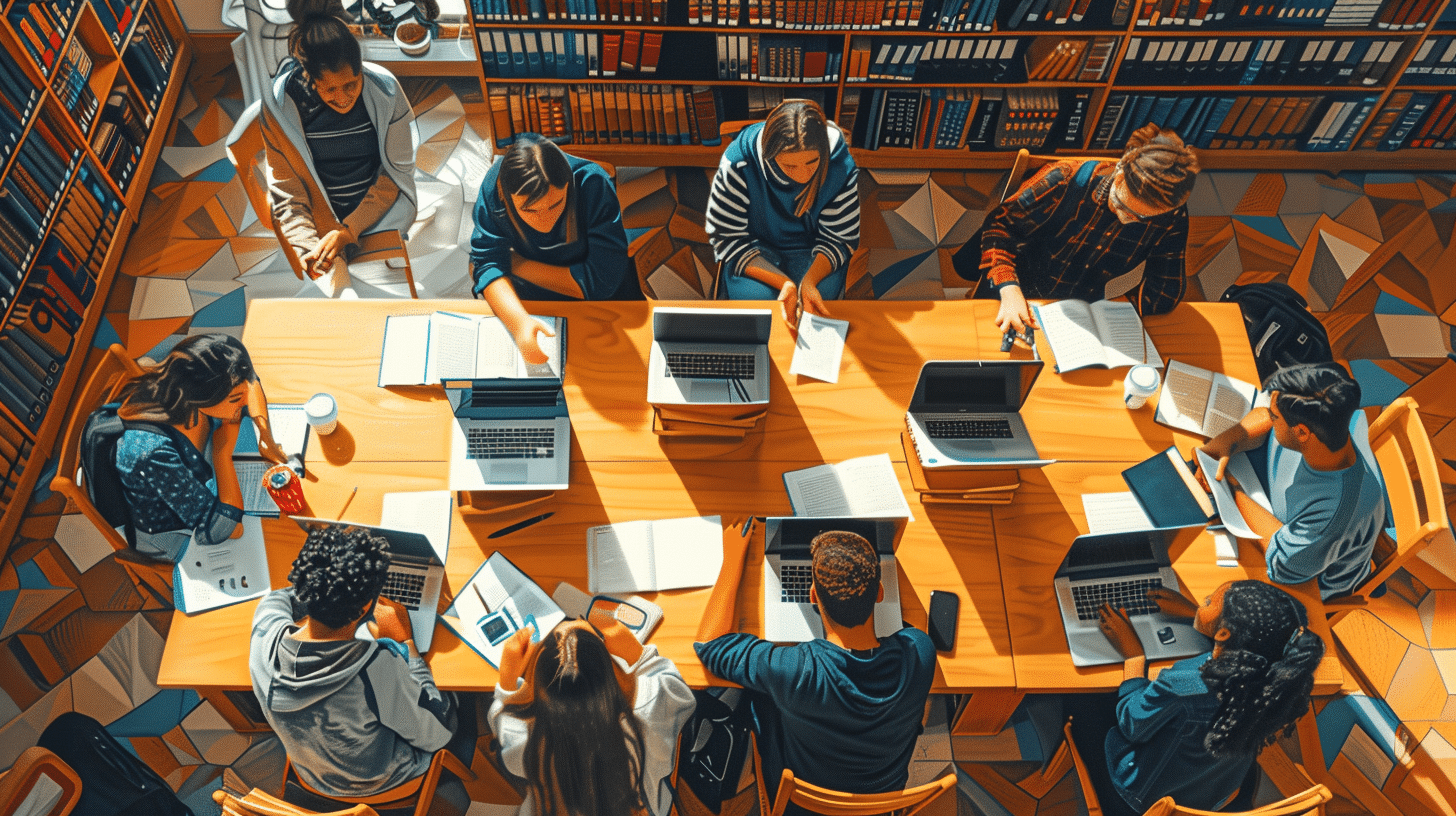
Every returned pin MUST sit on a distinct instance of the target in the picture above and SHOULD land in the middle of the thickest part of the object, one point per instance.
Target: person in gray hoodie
(358, 718)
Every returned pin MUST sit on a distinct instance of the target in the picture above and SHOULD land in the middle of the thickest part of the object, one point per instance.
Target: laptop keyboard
(968, 428)
(1130, 595)
(794, 581)
(714, 366)
(510, 443)
(404, 588)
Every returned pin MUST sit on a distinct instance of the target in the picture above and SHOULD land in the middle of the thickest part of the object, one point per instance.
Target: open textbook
(207, 576)
(1105, 334)
(647, 556)
(866, 486)
(425, 349)
(1223, 494)
(1168, 492)
(1202, 401)
(496, 601)
(290, 430)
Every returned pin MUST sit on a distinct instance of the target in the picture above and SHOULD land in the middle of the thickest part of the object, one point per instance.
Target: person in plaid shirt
(1076, 225)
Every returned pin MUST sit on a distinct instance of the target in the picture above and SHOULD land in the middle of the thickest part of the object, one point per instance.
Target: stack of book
(18, 98)
(29, 192)
(1386, 14)
(951, 486)
(777, 58)
(1057, 12)
(821, 15)
(116, 17)
(1070, 60)
(1414, 119)
(41, 27)
(70, 84)
(1027, 118)
(148, 59)
(119, 139)
(1258, 61)
(607, 114)
(570, 11)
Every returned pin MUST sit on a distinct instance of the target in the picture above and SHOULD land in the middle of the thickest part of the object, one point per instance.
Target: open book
(290, 430)
(866, 486)
(496, 601)
(214, 575)
(425, 349)
(1202, 401)
(647, 556)
(1223, 494)
(1105, 334)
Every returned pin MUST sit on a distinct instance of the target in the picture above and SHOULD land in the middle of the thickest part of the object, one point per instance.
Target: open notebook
(425, 349)
(646, 556)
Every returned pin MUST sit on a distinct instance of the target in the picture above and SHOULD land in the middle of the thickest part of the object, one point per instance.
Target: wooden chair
(414, 797)
(246, 151)
(836, 803)
(24, 779)
(1413, 491)
(258, 803)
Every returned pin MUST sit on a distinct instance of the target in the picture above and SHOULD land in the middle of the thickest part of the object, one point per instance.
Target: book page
(819, 347)
(208, 576)
(1125, 341)
(406, 346)
(452, 348)
(495, 350)
(816, 491)
(1114, 513)
(1223, 494)
(873, 488)
(687, 552)
(256, 498)
(1229, 401)
(1072, 334)
(499, 587)
(427, 512)
(289, 426)
(550, 346)
(619, 558)
(1183, 399)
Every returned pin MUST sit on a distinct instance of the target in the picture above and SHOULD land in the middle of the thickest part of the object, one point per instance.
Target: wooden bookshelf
(103, 98)
(1313, 58)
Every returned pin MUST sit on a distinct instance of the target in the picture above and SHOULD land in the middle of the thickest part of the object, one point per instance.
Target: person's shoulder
(1185, 677)
(381, 76)
(745, 144)
(917, 642)
(587, 171)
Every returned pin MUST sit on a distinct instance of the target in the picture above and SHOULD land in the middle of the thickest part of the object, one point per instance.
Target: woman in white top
(590, 718)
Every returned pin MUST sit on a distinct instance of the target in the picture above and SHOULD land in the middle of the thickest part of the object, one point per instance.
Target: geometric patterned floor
(1372, 253)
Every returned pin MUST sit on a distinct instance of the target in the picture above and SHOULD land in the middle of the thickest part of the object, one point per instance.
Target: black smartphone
(945, 610)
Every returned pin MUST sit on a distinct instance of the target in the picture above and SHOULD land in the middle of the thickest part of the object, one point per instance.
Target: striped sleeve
(839, 223)
(1164, 280)
(727, 218)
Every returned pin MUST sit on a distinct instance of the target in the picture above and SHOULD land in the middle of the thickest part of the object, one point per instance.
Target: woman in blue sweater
(547, 227)
(1195, 732)
(783, 213)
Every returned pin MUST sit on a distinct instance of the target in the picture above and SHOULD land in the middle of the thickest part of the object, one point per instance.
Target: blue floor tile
(229, 310)
(1389, 304)
(1378, 387)
(157, 715)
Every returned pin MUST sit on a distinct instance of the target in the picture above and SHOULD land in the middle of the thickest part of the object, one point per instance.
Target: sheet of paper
(1225, 548)
(1126, 341)
(1223, 495)
(620, 557)
(427, 512)
(210, 576)
(866, 486)
(495, 350)
(1229, 401)
(452, 347)
(819, 348)
(688, 551)
(1114, 513)
(406, 344)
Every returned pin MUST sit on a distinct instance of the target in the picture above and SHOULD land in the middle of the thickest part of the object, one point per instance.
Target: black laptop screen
(1093, 552)
(795, 534)
(977, 388)
(720, 326)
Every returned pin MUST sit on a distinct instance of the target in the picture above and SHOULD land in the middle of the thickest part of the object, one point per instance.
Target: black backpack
(113, 781)
(1280, 326)
(98, 460)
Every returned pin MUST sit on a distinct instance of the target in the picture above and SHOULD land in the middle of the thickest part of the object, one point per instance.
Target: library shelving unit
(87, 91)
(1277, 85)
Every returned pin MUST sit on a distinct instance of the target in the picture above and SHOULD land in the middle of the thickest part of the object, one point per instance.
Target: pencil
(347, 502)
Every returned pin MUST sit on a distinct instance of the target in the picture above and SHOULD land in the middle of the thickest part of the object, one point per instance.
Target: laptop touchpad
(508, 472)
(708, 391)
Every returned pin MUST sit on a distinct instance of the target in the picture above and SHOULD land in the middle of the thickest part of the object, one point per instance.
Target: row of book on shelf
(805, 15)
(1395, 15)
(1413, 119)
(28, 194)
(568, 11)
(1258, 61)
(778, 58)
(518, 54)
(607, 114)
(965, 118)
(18, 98)
(148, 59)
(989, 59)
(1434, 62)
(1304, 122)
(41, 25)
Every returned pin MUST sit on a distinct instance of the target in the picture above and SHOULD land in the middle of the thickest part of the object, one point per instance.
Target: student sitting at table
(177, 476)
(590, 718)
(340, 138)
(357, 718)
(1195, 732)
(783, 211)
(844, 711)
(1323, 482)
(547, 227)
(1075, 225)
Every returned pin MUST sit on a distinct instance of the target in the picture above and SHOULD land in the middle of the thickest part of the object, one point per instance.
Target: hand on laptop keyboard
(391, 620)
(1118, 629)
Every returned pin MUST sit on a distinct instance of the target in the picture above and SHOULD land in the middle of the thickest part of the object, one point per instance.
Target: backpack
(99, 436)
(113, 781)
(1281, 329)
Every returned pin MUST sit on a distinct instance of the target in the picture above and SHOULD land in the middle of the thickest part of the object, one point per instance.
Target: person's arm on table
(289, 195)
(258, 411)
(1264, 523)
(721, 615)
(1116, 626)
(1008, 228)
(490, 260)
(1250, 433)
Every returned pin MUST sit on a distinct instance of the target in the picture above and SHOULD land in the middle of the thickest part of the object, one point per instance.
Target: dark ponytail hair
(793, 126)
(1264, 673)
(320, 39)
(199, 373)
(533, 166)
(585, 752)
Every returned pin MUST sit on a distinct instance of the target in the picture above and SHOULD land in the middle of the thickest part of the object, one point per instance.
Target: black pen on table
(520, 525)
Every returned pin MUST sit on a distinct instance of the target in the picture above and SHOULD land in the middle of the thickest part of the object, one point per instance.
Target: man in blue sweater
(842, 712)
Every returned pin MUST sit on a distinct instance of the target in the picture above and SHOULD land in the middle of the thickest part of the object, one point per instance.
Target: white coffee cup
(1141, 382)
(322, 413)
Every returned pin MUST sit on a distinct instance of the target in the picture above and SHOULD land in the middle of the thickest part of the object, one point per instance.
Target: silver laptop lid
(492, 398)
(411, 546)
(1111, 554)
(733, 326)
(974, 386)
(790, 536)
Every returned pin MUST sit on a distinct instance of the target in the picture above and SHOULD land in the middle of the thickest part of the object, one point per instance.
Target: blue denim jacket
(1156, 750)
(172, 490)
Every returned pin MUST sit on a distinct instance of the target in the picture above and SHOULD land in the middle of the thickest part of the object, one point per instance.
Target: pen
(1008, 339)
(520, 525)
(347, 502)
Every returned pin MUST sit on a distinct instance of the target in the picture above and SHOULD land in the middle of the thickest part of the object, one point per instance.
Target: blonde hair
(1158, 167)
(797, 125)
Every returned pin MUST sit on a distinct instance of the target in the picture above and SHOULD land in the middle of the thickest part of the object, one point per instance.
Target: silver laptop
(964, 414)
(709, 356)
(788, 617)
(1120, 568)
(416, 573)
(509, 434)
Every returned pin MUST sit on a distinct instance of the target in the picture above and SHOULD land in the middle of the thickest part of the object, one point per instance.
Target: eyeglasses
(1121, 203)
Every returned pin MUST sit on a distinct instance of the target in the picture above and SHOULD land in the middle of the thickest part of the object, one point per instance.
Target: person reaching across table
(547, 227)
(1075, 225)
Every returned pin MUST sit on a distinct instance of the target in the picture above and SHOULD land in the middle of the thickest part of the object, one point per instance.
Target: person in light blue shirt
(1324, 485)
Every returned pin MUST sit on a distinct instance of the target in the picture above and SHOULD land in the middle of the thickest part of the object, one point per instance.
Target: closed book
(631, 50)
(651, 51)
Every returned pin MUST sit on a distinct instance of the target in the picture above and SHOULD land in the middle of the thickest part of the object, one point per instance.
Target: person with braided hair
(1075, 225)
(358, 718)
(1195, 732)
(842, 711)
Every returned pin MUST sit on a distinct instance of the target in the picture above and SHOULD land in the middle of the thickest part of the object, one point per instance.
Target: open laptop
(1120, 568)
(709, 356)
(964, 414)
(509, 434)
(788, 617)
(416, 573)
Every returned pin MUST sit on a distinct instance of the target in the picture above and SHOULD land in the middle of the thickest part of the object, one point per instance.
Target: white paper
(1114, 513)
(1225, 548)
(499, 585)
(427, 512)
(819, 348)
(866, 486)
(452, 348)
(1125, 340)
(215, 575)
(424, 349)
(406, 343)
(1223, 494)
(42, 797)
(647, 556)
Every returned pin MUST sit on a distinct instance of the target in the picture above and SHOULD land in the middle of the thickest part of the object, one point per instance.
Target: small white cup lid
(320, 405)
(1144, 375)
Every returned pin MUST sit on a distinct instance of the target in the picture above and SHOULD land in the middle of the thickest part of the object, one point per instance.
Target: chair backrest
(415, 796)
(113, 371)
(258, 803)
(1307, 802)
(24, 779)
(837, 803)
(249, 158)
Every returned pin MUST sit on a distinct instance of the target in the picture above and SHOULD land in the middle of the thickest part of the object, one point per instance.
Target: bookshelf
(87, 91)
(1280, 85)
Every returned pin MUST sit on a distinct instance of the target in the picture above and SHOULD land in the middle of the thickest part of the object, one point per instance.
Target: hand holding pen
(1010, 337)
